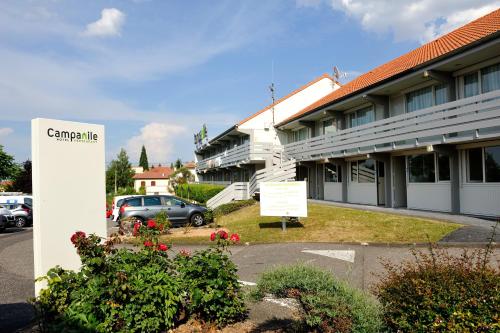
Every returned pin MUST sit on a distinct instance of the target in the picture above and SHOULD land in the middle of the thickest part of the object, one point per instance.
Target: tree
(122, 170)
(171, 165)
(22, 180)
(8, 168)
(178, 163)
(143, 160)
(182, 176)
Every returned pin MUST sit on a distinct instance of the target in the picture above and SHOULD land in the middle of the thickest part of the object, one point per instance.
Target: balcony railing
(458, 121)
(238, 155)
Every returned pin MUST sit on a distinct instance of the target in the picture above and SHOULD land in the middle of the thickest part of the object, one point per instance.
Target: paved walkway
(461, 219)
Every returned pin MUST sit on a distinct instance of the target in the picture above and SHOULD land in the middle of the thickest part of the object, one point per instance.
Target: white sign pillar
(69, 191)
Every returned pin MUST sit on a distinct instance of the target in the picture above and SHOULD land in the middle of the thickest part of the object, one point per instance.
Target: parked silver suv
(146, 207)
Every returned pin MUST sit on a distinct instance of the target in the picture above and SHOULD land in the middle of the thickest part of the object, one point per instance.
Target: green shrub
(198, 192)
(329, 305)
(140, 291)
(440, 292)
(228, 208)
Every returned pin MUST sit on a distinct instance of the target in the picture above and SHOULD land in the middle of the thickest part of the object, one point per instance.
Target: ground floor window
(333, 173)
(483, 165)
(363, 171)
(424, 168)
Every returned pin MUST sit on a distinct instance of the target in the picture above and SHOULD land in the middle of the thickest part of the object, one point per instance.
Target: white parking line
(246, 283)
(345, 255)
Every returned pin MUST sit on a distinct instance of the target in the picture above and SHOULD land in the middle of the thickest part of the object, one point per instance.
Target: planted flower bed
(149, 290)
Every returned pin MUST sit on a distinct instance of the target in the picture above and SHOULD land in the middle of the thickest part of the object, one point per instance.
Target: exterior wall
(333, 191)
(429, 196)
(362, 193)
(480, 199)
(161, 186)
(261, 126)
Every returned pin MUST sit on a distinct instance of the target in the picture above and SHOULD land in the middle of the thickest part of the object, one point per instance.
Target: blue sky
(153, 71)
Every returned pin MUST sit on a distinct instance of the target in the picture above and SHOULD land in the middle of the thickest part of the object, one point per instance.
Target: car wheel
(197, 220)
(21, 222)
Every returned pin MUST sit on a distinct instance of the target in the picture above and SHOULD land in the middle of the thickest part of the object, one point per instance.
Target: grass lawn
(330, 224)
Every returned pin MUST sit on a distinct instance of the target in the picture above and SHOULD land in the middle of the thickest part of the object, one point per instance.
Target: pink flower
(222, 234)
(148, 243)
(77, 236)
(235, 238)
(151, 224)
(162, 247)
(212, 236)
(185, 253)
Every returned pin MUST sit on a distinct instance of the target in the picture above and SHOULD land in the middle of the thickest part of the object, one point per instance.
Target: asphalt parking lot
(359, 265)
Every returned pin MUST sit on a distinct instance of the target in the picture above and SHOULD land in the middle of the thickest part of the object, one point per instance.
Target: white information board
(69, 191)
(283, 199)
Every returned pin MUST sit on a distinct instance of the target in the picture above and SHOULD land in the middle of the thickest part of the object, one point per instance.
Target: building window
(484, 165)
(354, 171)
(492, 164)
(298, 135)
(362, 116)
(333, 173)
(443, 167)
(475, 165)
(441, 94)
(366, 171)
(329, 126)
(363, 171)
(153, 183)
(143, 184)
(471, 84)
(490, 78)
(419, 99)
(421, 168)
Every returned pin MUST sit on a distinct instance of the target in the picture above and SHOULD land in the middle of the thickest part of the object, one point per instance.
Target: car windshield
(119, 203)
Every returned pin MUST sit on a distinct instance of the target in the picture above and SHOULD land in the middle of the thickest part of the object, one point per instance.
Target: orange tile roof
(155, 173)
(296, 91)
(458, 38)
(190, 165)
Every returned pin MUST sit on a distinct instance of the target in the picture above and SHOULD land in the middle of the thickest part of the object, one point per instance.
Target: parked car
(23, 214)
(178, 211)
(6, 218)
(117, 202)
(19, 199)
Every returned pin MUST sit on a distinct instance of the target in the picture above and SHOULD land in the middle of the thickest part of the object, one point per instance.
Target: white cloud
(159, 140)
(421, 20)
(110, 24)
(5, 131)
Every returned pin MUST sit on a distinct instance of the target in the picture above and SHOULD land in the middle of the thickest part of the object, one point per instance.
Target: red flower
(77, 236)
(222, 234)
(235, 238)
(151, 224)
(162, 247)
(148, 243)
(212, 236)
(137, 226)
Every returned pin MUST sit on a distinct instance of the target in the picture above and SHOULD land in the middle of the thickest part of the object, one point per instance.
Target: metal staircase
(283, 169)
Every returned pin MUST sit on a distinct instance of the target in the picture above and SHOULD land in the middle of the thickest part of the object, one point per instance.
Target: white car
(16, 199)
(117, 203)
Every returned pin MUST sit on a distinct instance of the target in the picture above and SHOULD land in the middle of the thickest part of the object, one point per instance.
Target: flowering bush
(140, 291)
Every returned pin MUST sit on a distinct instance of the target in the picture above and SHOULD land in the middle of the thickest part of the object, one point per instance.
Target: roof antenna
(338, 75)
(271, 88)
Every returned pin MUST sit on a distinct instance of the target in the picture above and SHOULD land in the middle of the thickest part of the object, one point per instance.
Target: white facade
(153, 186)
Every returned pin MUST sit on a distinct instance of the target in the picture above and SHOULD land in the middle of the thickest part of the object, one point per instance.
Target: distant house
(156, 180)
(4, 184)
(191, 166)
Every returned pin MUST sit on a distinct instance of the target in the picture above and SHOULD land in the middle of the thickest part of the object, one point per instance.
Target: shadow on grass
(277, 225)
(280, 325)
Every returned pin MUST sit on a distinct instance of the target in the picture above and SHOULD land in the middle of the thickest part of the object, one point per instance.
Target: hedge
(198, 192)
